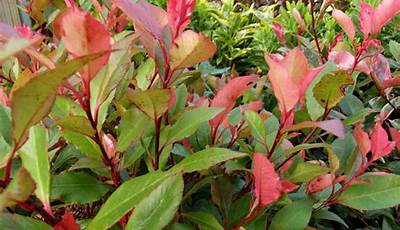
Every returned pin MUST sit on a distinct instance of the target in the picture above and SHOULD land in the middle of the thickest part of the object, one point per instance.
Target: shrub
(106, 127)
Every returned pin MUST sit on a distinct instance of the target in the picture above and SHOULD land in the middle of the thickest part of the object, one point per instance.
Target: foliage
(115, 119)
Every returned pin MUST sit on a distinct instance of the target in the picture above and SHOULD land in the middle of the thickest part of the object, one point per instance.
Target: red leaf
(345, 22)
(345, 61)
(290, 78)
(319, 183)
(395, 134)
(179, 12)
(67, 223)
(82, 34)
(109, 144)
(4, 100)
(362, 140)
(268, 187)
(226, 97)
(380, 144)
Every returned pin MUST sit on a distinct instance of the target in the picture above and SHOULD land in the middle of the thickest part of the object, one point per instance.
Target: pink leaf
(345, 61)
(381, 68)
(279, 31)
(67, 222)
(333, 126)
(109, 144)
(150, 22)
(82, 34)
(380, 144)
(268, 187)
(372, 20)
(4, 100)
(395, 134)
(179, 12)
(299, 19)
(384, 13)
(362, 140)
(366, 18)
(345, 22)
(227, 96)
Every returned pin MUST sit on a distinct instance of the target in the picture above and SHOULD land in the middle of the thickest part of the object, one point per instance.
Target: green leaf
(133, 123)
(205, 159)
(145, 73)
(204, 219)
(126, 198)
(329, 91)
(256, 124)
(77, 124)
(65, 106)
(191, 48)
(84, 144)
(32, 99)
(294, 216)
(156, 211)
(153, 102)
(12, 47)
(19, 189)
(315, 110)
(304, 172)
(17, 222)
(189, 122)
(36, 161)
(394, 48)
(77, 187)
(327, 215)
(375, 191)
(5, 134)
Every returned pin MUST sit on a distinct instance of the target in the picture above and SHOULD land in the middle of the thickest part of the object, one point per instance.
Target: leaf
(84, 144)
(152, 102)
(32, 99)
(150, 22)
(385, 11)
(256, 124)
(305, 172)
(268, 187)
(159, 207)
(227, 96)
(82, 35)
(67, 222)
(19, 189)
(77, 124)
(133, 123)
(189, 122)
(189, 49)
(10, 221)
(12, 47)
(179, 12)
(345, 22)
(145, 73)
(294, 216)
(380, 144)
(35, 159)
(374, 191)
(204, 159)
(329, 91)
(204, 219)
(333, 126)
(362, 140)
(73, 187)
(327, 215)
(126, 198)
(290, 78)
(394, 48)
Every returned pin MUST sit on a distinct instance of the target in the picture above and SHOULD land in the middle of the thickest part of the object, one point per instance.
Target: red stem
(315, 31)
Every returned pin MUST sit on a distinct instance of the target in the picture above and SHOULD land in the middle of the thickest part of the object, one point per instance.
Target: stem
(314, 31)
(248, 218)
(32, 207)
(157, 124)
(7, 174)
